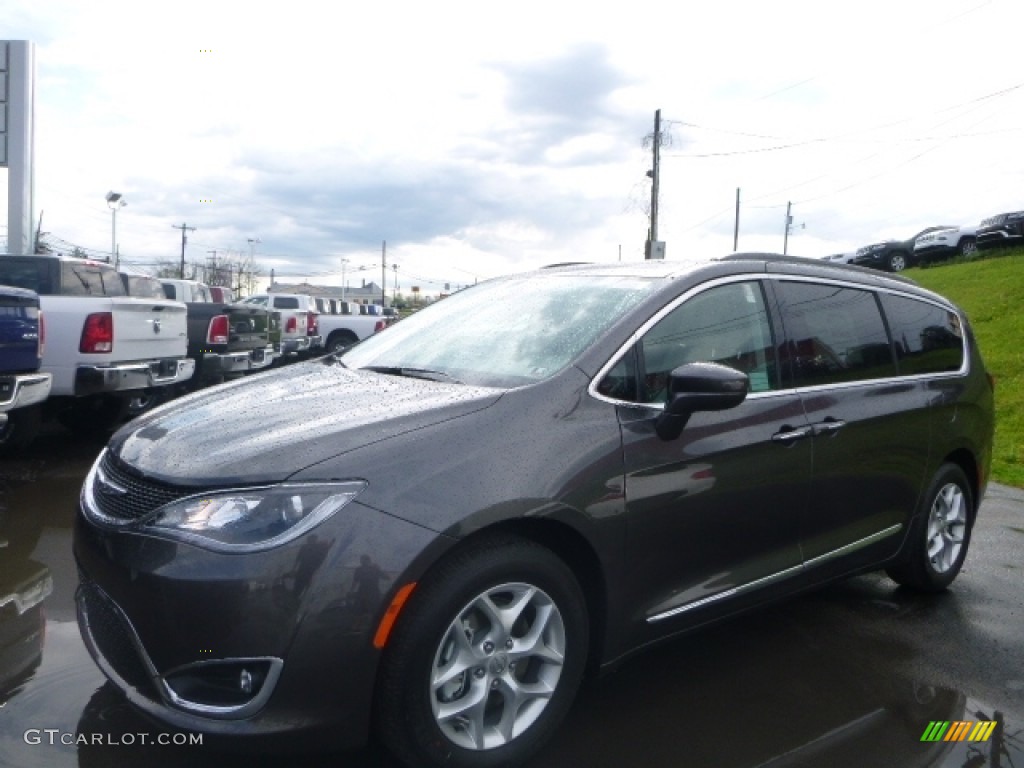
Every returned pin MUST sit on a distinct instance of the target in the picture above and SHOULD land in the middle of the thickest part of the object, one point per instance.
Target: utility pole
(736, 226)
(383, 273)
(394, 294)
(789, 222)
(184, 228)
(654, 173)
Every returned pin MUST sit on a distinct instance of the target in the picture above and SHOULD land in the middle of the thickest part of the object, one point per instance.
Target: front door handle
(829, 426)
(788, 434)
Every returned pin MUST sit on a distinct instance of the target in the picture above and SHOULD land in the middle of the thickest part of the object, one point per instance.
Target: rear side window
(286, 302)
(833, 334)
(927, 338)
(33, 274)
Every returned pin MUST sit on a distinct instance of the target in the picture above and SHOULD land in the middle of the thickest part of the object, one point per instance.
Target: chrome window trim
(747, 277)
(779, 575)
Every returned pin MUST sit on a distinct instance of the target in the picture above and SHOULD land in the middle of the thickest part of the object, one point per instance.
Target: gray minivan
(603, 457)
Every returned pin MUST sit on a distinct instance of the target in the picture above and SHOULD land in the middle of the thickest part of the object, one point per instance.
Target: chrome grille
(126, 496)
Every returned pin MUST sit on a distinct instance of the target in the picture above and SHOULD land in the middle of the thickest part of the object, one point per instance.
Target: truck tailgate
(249, 327)
(19, 330)
(146, 329)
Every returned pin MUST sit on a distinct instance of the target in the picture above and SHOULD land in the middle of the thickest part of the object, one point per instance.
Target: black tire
(443, 624)
(338, 342)
(940, 534)
(898, 261)
(145, 400)
(968, 247)
(20, 429)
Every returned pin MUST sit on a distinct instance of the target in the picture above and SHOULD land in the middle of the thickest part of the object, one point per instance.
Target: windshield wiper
(412, 373)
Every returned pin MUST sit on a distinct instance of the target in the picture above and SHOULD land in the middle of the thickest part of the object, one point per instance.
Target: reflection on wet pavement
(850, 676)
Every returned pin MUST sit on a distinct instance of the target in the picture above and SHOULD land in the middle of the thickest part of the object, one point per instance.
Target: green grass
(991, 291)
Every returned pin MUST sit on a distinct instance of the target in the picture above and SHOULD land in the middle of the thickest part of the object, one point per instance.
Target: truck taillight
(98, 333)
(291, 326)
(42, 335)
(217, 333)
(311, 324)
(379, 326)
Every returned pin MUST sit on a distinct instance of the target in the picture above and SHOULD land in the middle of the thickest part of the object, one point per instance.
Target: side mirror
(699, 387)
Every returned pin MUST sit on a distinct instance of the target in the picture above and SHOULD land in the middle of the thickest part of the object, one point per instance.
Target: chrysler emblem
(107, 487)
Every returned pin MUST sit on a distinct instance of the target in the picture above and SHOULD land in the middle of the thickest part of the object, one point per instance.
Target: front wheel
(937, 543)
(485, 659)
(897, 262)
(968, 247)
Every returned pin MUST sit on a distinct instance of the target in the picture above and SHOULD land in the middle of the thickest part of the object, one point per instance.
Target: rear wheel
(968, 246)
(338, 342)
(937, 543)
(485, 659)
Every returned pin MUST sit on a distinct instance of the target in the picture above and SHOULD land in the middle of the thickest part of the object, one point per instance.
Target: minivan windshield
(504, 333)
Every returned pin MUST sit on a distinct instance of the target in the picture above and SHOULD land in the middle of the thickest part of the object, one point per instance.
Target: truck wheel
(897, 262)
(339, 342)
(968, 247)
(20, 429)
(145, 400)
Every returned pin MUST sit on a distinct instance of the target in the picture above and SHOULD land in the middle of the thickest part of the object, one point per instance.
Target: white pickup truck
(343, 323)
(300, 333)
(104, 349)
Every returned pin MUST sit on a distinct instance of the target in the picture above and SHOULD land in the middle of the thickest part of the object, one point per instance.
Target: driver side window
(727, 324)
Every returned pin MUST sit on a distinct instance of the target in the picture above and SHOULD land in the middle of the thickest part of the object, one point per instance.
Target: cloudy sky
(480, 138)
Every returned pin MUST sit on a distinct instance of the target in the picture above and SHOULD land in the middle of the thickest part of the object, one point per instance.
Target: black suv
(1002, 230)
(432, 535)
(892, 255)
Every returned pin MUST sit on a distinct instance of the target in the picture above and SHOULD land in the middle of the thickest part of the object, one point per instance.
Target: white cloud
(477, 138)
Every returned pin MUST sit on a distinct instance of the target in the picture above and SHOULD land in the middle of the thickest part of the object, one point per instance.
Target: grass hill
(991, 291)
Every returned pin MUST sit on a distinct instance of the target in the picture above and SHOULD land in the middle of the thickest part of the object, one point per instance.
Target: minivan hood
(265, 428)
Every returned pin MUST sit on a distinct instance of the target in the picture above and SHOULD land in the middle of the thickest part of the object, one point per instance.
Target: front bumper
(120, 377)
(998, 238)
(152, 610)
(24, 389)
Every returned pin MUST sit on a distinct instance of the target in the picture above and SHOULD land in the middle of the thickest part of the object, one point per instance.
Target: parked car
(23, 388)
(104, 349)
(300, 334)
(435, 533)
(945, 243)
(840, 258)
(1001, 230)
(892, 255)
(226, 340)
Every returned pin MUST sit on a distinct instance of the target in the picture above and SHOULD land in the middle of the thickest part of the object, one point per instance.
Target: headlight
(250, 519)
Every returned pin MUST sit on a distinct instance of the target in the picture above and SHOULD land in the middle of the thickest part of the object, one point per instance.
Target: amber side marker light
(391, 615)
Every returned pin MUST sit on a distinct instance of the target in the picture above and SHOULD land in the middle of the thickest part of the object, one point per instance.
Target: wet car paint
(862, 663)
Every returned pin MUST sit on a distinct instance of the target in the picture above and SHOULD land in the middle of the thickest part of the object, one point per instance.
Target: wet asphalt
(850, 675)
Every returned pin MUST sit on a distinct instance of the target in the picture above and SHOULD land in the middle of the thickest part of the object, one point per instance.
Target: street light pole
(115, 201)
(344, 261)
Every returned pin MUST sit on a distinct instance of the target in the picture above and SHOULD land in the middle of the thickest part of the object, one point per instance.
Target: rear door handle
(829, 426)
(789, 434)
